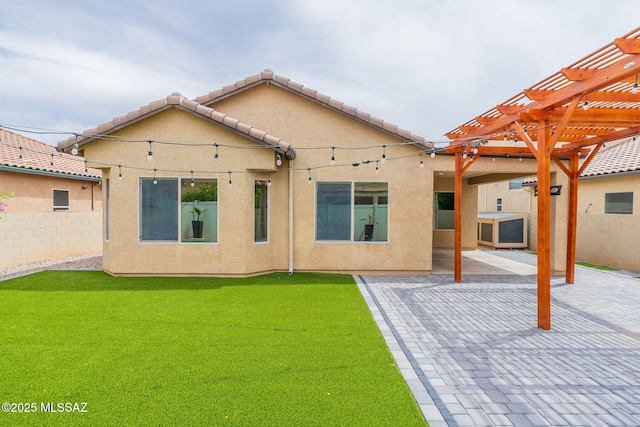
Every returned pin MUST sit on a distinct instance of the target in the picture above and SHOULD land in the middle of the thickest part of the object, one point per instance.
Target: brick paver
(472, 354)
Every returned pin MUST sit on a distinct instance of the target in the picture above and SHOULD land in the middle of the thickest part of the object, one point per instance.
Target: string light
(155, 180)
(585, 106)
(269, 179)
(230, 183)
(193, 183)
(433, 153)
(384, 153)
(309, 180)
(51, 159)
(333, 156)
(217, 154)
(74, 150)
(421, 162)
(493, 159)
(20, 156)
(377, 168)
(120, 172)
(634, 89)
(278, 159)
(464, 153)
(150, 154)
(86, 169)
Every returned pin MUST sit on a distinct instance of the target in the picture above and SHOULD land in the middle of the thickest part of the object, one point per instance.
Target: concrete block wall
(608, 239)
(41, 236)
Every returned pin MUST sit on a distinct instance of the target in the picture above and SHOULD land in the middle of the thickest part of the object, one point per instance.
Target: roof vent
(177, 94)
(268, 70)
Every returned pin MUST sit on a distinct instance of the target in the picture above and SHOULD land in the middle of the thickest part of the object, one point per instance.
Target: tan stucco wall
(608, 239)
(32, 237)
(302, 123)
(512, 200)
(34, 193)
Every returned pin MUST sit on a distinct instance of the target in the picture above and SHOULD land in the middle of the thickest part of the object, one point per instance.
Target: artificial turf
(273, 350)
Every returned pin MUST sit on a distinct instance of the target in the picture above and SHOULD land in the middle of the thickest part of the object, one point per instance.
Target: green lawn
(274, 350)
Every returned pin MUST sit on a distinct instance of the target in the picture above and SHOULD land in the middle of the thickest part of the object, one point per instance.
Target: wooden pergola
(566, 116)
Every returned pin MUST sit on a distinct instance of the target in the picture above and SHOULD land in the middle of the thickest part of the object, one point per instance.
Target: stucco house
(268, 175)
(608, 228)
(56, 210)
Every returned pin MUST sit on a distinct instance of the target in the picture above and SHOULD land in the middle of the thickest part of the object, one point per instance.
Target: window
(499, 204)
(261, 211)
(193, 219)
(516, 184)
(444, 211)
(352, 211)
(618, 203)
(158, 209)
(198, 210)
(60, 200)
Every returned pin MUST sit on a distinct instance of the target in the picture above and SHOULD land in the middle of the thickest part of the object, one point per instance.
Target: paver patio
(473, 355)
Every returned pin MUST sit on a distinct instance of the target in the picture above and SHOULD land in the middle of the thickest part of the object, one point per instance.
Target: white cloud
(425, 65)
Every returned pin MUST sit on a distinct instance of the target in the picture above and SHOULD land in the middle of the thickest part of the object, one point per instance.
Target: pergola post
(544, 227)
(574, 174)
(457, 219)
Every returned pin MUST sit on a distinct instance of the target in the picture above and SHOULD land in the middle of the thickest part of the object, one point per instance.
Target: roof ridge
(176, 99)
(269, 76)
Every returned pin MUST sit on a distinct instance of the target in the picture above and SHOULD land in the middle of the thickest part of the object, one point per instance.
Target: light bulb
(634, 89)
(193, 184)
(421, 162)
(433, 154)
(585, 106)
(150, 156)
(74, 150)
(278, 160)
(333, 160)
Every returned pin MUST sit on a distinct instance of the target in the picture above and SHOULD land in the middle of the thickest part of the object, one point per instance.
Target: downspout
(290, 216)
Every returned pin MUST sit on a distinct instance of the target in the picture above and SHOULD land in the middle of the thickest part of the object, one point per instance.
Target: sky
(424, 65)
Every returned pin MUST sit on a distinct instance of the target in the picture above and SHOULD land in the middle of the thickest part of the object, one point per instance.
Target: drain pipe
(290, 216)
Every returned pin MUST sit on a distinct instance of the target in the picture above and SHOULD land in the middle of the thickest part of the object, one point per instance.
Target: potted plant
(368, 227)
(196, 224)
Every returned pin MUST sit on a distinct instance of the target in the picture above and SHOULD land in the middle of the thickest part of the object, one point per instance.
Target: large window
(261, 211)
(158, 209)
(178, 210)
(199, 210)
(352, 211)
(444, 211)
(618, 203)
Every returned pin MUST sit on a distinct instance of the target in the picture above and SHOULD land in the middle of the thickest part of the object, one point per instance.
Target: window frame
(178, 181)
(266, 185)
(352, 205)
(436, 210)
(55, 207)
(608, 209)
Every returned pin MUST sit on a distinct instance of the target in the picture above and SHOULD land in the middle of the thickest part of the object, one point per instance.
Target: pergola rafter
(568, 115)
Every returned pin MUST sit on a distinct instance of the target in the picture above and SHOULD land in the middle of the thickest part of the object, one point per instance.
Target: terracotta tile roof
(270, 77)
(176, 100)
(18, 151)
(619, 158)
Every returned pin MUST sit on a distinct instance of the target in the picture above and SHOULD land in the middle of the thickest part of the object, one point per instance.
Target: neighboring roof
(176, 100)
(269, 77)
(22, 154)
(619, 158)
